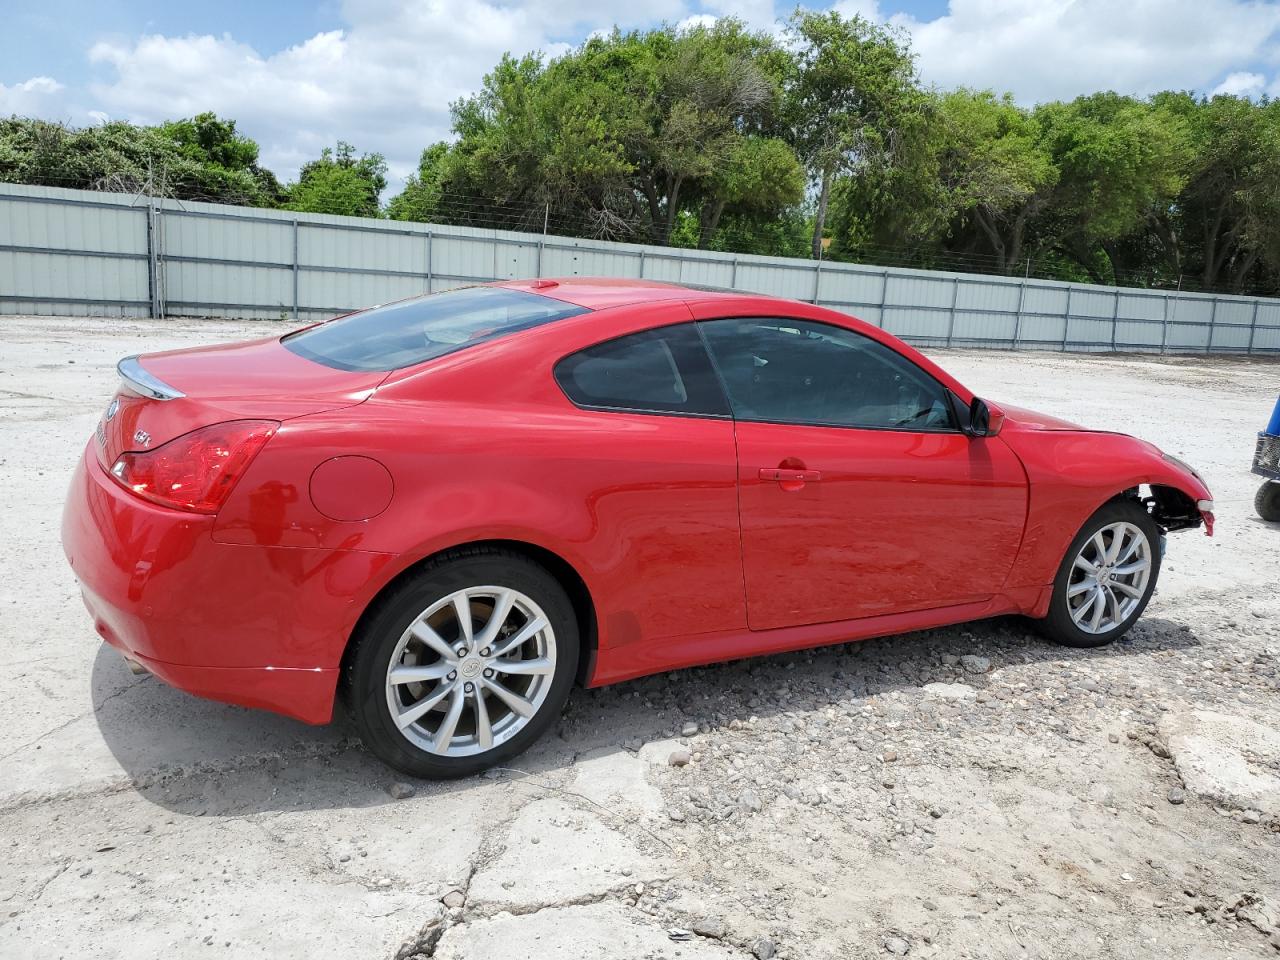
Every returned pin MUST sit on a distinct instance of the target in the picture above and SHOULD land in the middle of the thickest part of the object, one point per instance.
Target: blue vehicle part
(1273, 428)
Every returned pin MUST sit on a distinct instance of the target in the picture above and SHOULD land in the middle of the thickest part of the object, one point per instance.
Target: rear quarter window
(665, 370)
(413, 331)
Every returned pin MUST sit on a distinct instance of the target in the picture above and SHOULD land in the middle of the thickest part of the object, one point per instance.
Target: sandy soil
(967, 792)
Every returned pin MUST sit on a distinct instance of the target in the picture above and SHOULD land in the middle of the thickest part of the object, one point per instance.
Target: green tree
(212, 146)
(1225, 224)
(1118, 160)
(621, 136)
(198, 159)
(423, 193)
(757, 179)
(340, 183)
(996, 171)
(853, 99)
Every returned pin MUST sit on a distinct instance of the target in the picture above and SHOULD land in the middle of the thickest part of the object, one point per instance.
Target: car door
(858, 493)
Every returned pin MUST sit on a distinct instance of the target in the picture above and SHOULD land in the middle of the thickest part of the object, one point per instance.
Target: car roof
(598, 293)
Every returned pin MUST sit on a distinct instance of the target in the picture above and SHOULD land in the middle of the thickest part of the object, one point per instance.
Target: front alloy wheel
(1106, 578)
(463, 665)
(1109, 577)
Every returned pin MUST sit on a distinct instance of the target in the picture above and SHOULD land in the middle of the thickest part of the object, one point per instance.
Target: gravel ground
(965, 792)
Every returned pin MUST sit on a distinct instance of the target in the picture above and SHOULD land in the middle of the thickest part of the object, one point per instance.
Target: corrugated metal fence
(83, 253)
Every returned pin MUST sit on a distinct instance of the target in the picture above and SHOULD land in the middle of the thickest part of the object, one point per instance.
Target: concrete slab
(1228, 760)
(616, 780)
(601, 931)
(557, 854)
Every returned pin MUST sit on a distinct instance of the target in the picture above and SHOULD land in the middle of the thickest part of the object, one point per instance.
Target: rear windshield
(403, 334)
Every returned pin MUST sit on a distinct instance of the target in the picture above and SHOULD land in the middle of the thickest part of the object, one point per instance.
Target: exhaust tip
(136, 668)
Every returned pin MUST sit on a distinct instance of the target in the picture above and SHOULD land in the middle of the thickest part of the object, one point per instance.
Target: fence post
(1017, 317)
(430, 235)
(951, 318)
(642, 263)
(1066, 321)
(817, 279)
(151, 260)
(733, 276)
(1253, 327)
(295, 268)
(1115, 320)
(1166, 320)
(884, 295)
(155, 242)
(1213, 318)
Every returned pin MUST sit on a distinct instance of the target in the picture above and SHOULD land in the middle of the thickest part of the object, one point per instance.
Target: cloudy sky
(381, 73)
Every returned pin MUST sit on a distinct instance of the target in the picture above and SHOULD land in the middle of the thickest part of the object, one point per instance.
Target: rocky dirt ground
(962, 793)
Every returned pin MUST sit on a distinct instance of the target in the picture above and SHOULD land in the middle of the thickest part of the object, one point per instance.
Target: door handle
(784, 475)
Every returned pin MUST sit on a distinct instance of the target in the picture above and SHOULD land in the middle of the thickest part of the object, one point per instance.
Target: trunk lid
(204, 385)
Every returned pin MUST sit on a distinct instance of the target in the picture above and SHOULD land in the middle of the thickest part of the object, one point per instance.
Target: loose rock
(711, 927)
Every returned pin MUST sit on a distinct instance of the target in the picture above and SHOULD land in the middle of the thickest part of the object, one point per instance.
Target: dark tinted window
(402, 334)
(658, 371)
(799, 371)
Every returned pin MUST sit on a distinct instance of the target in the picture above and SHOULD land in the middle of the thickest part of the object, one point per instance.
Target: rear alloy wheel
(1106, 578)
(464, 666)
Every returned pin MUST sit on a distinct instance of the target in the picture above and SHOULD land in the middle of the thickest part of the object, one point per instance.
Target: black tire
(1267, 501)
(1057, 625)
(377, 638)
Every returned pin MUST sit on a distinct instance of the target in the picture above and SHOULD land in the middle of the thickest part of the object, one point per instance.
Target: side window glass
(665, 370)
(800, 371)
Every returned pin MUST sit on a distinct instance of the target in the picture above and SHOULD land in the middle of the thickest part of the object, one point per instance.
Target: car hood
(1025, 419)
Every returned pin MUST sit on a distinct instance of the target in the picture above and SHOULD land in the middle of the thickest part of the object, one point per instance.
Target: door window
(665, 370)
(781, 370)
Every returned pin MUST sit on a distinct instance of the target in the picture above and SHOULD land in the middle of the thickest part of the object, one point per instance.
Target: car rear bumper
(254, 625)
(304, 694)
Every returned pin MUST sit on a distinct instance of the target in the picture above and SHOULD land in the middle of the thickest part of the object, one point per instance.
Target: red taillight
(196, 471)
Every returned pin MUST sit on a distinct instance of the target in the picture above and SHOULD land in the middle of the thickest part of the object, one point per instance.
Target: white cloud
(1242, 84)
(697, 20)
(867, 9)
(757, 14)
(39, 96)
(384, 83)
(1051, 49)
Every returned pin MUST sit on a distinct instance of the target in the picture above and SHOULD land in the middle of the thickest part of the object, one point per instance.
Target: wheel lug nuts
(453, 674)
(488, 673)
(485, 652)
(461, 651)
(470, 687)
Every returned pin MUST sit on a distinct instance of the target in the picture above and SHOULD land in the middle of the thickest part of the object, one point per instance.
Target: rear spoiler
(145, 384)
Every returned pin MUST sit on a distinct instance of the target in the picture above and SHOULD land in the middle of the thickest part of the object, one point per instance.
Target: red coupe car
(450, 509)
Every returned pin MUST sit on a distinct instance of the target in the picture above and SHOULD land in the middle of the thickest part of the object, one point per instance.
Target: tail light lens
(196, 471)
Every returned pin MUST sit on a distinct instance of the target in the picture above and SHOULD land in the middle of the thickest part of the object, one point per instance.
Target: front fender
(1073, 473)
